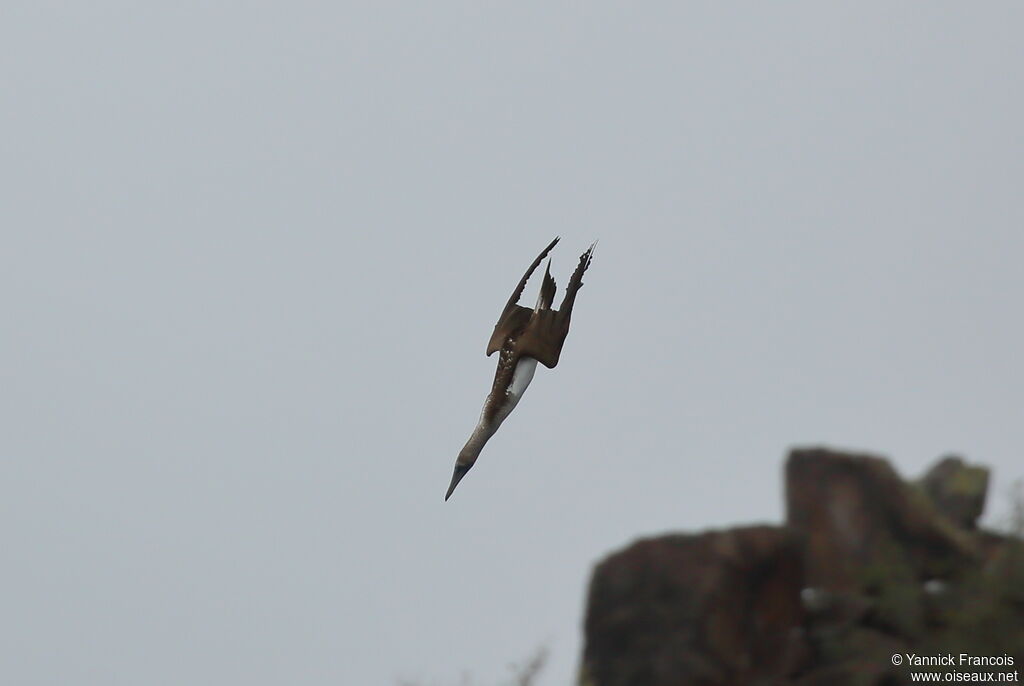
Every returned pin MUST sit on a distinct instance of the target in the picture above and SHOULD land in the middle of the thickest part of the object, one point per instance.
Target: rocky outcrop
(856, 515)
(711, 608)
(957, 489)
(865, 566)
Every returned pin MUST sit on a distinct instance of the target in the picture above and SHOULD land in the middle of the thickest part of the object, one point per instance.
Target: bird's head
(460, 471)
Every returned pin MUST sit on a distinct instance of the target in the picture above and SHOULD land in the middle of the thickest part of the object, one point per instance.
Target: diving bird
(523, 337)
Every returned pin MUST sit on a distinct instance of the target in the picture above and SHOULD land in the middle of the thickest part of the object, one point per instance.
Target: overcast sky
(252, 255)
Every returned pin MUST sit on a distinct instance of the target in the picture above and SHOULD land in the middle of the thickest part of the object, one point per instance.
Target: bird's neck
(477, 440)
(508, 389)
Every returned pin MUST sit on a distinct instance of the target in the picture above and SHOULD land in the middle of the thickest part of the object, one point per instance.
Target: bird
(522, 338)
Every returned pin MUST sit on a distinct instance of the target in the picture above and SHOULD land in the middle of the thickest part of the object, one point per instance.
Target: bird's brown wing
(546, 329)
(543, 337)
(575, 282)
(514, 317)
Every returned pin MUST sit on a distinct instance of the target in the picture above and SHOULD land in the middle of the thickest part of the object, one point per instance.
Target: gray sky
(252, 255)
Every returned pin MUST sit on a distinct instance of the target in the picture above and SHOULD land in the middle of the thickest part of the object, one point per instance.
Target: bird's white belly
(522, 376)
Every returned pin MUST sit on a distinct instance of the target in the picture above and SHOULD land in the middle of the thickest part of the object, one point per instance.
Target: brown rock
(714, 608)
(862, 525)
(867, 566)
(957, 489)
(855, 673)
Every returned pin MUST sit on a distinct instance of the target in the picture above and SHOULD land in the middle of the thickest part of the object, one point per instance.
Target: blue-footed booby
(524, 337)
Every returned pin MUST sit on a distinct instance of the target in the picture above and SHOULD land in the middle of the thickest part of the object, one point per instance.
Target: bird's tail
(547, 291)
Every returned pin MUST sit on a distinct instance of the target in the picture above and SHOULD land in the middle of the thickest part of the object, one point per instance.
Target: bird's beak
(460, 471)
